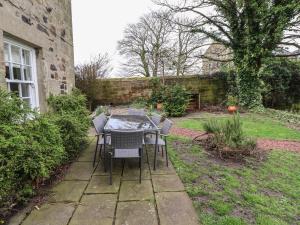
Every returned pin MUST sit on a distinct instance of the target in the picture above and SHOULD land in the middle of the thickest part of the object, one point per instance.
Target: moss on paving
(262, 193)
(254, 125)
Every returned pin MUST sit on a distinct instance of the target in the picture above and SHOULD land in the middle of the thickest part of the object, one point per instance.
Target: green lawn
(254, 126)
(263, 193)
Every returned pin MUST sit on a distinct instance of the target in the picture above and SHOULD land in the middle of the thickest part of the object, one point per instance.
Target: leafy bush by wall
(175, 100)
(32, 146)
(69, 113)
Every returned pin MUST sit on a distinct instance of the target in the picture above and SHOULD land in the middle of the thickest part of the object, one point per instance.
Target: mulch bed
(264, 144)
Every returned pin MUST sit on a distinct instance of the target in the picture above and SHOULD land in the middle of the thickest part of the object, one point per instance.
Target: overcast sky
(99, 24)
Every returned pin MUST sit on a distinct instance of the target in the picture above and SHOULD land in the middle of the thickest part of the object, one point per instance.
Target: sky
(99, 24)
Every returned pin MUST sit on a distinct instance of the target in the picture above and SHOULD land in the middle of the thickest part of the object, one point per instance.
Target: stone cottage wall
(212, 90)
(45, 25)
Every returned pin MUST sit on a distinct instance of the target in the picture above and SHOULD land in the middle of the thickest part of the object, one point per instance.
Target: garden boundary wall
(117, 91)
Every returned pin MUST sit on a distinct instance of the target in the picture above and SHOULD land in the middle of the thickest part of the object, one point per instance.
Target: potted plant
(232, 104)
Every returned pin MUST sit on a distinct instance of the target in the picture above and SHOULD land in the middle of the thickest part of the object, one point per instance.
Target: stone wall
(212, 90)
(45, 25)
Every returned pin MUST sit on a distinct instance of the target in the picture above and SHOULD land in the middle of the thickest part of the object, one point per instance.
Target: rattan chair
(136, 112)
(156, 118)
(126, 144)
(99, 123)
(162, 139)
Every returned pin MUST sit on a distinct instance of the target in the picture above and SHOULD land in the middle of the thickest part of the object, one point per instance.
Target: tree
(252, 29)
(186, 49)
(145, 42)
(87, 74)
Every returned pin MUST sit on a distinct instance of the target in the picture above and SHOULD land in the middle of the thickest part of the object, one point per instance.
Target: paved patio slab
(100, 185)
(95, 210)
(132, 172)
(68, 191)
(50, 214)
(136, 213)
(117, 169)
(175, 208)
(80, 171)
(162, 183)
(133, 190)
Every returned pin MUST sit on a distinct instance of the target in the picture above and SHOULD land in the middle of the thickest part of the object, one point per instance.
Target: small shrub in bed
(228, 138)
(69, 113)
(176, 100)
(30, 149)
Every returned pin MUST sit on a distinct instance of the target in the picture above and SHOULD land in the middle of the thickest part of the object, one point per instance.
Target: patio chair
(136, 112)
(156, 118)
(126, 144)
(99, 123)
(162, 139)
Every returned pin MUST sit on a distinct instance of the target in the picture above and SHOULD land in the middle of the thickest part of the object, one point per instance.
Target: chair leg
(95, 155)
(166, 149)
(100, 151)
(141, 159)
(110, 172)
(162, 151)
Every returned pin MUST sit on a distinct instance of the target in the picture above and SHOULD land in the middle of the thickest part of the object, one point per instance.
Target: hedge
(33, 145)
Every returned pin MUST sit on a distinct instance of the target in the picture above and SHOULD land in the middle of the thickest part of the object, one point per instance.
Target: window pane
(15, 53)
(14, 87)
(7, 72)
(25, 90)
(17, 72)
(26, 57)
(27, 73)
(6, 52)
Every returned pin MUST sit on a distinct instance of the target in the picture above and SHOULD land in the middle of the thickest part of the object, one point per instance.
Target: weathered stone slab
(95, 210)
(100, 185)
(50, 214)
(117, 168)
(175, 208)
(162, 183)
(87, 156)
(132, 171)
(80, 171)
(136, 213)
(161, 168)
(133, 190)
(68, 191)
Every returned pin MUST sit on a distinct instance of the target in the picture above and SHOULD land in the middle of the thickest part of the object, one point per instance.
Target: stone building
(215, 51)
(36, 49)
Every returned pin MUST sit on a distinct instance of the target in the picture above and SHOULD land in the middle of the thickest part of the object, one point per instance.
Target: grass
(262, 193)
(254, 125)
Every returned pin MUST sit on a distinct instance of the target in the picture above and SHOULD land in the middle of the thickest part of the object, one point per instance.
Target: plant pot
(232, 109)
(159, 106)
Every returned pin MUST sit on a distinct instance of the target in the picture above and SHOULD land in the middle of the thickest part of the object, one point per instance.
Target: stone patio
(84, 197)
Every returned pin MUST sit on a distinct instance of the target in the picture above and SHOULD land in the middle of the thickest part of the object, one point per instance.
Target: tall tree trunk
(249, 84)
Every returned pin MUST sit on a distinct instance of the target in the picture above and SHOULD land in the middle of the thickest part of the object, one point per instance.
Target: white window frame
(34, 97)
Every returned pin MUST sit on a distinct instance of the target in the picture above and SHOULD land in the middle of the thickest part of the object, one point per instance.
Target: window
(20, 71)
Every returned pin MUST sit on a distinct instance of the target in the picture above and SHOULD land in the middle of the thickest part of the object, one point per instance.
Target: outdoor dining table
(132, 122)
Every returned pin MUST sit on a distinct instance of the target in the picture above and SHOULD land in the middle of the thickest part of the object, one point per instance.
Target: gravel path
(265, 144)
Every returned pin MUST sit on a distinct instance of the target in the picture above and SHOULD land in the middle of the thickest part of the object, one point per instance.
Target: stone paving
(85, 197)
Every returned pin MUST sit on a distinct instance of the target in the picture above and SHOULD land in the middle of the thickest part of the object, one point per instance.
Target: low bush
(228, 137)
(71, 116)
(30, 148)
(32, 145)
(176, 100)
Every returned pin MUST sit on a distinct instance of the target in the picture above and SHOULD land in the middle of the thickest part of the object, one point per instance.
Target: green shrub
(69, 113)
(176, 100)
(30, 149)
(32, 146)
(229, 136)
(140, 103)
(102, 109)
(158, 91)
